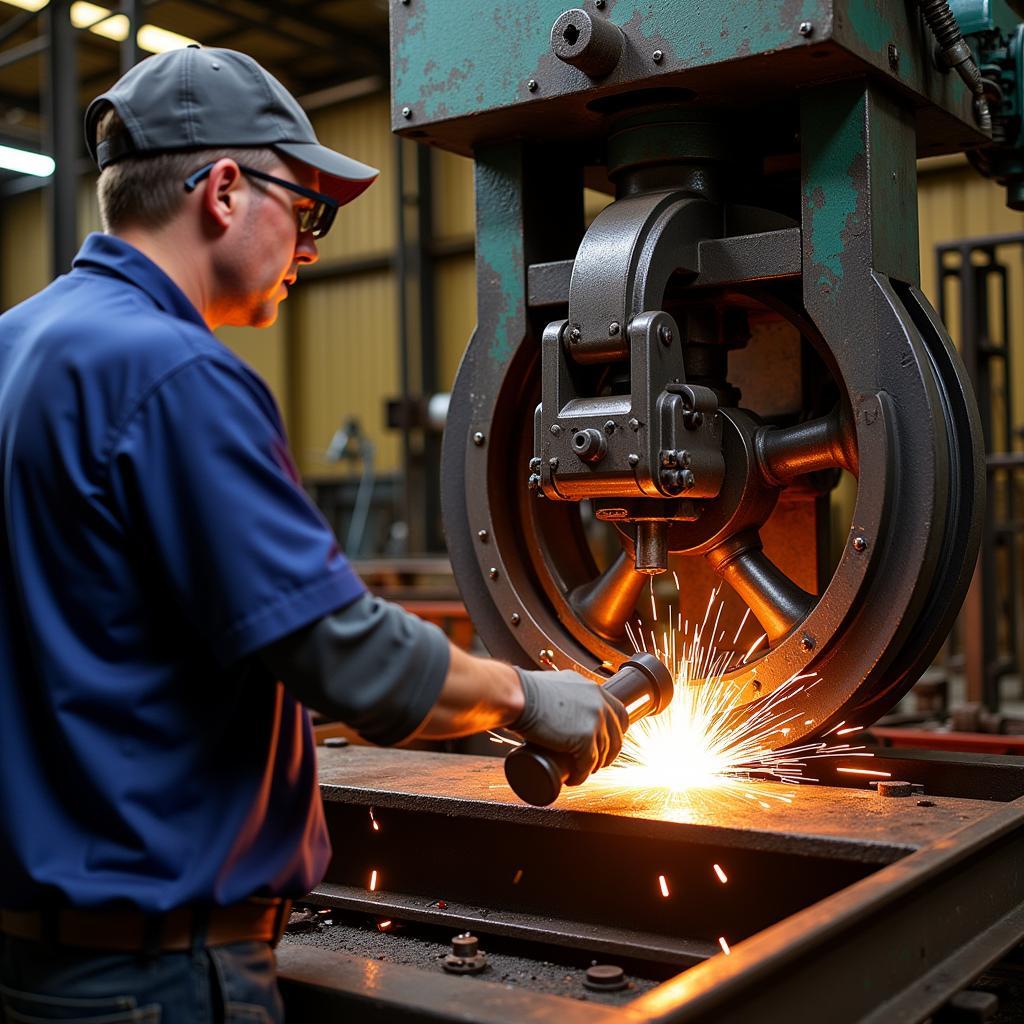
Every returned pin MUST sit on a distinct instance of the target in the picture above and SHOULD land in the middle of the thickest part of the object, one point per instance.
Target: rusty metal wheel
(905, 424)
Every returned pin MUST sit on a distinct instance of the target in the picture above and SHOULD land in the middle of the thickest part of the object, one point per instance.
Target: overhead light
(103, 22)
(28, 5)
(24, 162)
(157, 40)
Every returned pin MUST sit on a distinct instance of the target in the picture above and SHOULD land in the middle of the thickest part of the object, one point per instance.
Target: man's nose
(305, 248)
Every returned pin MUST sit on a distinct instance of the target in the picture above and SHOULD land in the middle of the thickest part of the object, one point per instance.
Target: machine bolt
(684, 458)
(605, 978)
(634, 423)
(553, 464)
(514, 619)
(806, 28)
(479, 438)
(532, 85)
(686, 480)
(657, 56)
(575, 334)
(599, 4)
(492, 572)
(482, 535)
(534, 482)
(535, 464)
(407, 112)
(465, 957)
(665, 334)
(609, 426)
(633, 459)
(669, 479)
(546, 654)
(807, 642)
(555, 430)
(613, 328)
(694, 419)
(589, 445)
(669, 458)
(859, 544)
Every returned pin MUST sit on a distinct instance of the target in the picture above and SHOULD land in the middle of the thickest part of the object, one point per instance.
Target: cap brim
(341, 177)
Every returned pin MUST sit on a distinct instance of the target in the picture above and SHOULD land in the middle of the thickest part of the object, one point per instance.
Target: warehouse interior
(877, 883)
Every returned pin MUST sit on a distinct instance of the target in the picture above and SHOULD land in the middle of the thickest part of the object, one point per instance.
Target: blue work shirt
(154, 535)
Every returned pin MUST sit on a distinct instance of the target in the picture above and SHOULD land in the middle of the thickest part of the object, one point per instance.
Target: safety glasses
(316, 219)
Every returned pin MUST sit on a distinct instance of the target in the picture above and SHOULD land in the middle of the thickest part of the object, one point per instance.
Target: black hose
(957, 54)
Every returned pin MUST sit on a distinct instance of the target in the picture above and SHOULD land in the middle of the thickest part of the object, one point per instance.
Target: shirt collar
(116, 258)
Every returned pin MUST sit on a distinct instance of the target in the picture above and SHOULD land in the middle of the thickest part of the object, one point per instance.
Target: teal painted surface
(451, 59)
(501, 269)
(869, 22)
(983, 16)
(834, 147)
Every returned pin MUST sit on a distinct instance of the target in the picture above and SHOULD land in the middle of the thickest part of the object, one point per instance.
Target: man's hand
(565, 711)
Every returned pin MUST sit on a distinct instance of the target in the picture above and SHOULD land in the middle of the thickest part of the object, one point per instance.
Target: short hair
(148, 190)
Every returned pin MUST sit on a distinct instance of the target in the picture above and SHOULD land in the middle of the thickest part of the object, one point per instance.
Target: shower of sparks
(663, 883)
(722, 876)
(373, 880)
(725, 945)
(699, 750)
(865, 771)
(374, 822)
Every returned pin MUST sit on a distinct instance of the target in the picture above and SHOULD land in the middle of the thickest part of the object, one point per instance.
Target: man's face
(271, 247)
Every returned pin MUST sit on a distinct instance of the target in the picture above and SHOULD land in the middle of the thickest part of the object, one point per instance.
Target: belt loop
(200, 922)
(284, 911)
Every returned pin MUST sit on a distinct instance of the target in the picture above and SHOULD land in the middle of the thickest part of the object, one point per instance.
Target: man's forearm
(478, 694)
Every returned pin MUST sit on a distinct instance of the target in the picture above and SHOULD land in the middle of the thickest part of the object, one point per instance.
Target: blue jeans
(219, 985)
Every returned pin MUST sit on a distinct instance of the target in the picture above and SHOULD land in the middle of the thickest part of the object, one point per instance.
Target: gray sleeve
(372, 665)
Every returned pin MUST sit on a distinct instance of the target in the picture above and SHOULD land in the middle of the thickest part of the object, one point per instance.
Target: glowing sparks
(722, 876)
(373, 880)
(865, 771)
(663, 883)
(725, 945)
(384, 925)
(714, 737)
(374, 822)
(517, 877)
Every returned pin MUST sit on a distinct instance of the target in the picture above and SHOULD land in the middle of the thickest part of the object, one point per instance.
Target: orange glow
(373, 880)
(517, 877)
(663, 882)
(865, 771)
(722, 877)
(384, 925)
(725, 945)
(638, 703)
(846, 732)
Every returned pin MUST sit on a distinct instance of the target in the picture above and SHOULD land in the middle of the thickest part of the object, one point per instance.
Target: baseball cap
(206, 98)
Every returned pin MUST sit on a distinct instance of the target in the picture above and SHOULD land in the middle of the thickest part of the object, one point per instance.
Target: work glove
(565, 711)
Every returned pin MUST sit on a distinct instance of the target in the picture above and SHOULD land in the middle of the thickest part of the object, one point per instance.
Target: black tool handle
(536, 775)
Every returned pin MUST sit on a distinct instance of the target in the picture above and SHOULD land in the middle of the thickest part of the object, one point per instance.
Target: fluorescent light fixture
(24, 162)
(28, 5)
(157, 40)
(104, 22)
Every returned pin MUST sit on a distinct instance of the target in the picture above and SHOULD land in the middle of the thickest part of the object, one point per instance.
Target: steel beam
(64, 132)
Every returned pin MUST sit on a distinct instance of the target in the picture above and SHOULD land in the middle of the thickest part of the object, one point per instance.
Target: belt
(132, 931)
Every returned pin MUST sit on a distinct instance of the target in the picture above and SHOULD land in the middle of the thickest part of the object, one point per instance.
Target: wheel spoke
(607, 603)
(772, 596)
(785, 453)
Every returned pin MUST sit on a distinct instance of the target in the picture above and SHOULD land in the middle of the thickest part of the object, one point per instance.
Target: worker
(162, 573)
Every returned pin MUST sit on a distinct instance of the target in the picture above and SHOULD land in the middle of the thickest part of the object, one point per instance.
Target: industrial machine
(674, 392)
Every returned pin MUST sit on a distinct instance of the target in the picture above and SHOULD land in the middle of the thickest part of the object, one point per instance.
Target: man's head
(207, 149)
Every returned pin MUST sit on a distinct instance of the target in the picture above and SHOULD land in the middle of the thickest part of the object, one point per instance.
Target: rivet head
(859, 544)
(609, 426)
(805, 28)
(553, 464)
(492, 572)
(657, 56)
(665, 334)
(532, 85)
(546, 654)
(599, 4)
(634, 423)
(555, 430)
(807, 642)
(407, 112)
(574, 334)
(515, 620)
(482, 535)
(479, 438)
(613, 328)
(633, 459)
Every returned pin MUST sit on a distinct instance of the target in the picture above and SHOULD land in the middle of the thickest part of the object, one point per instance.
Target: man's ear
(221, 194)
